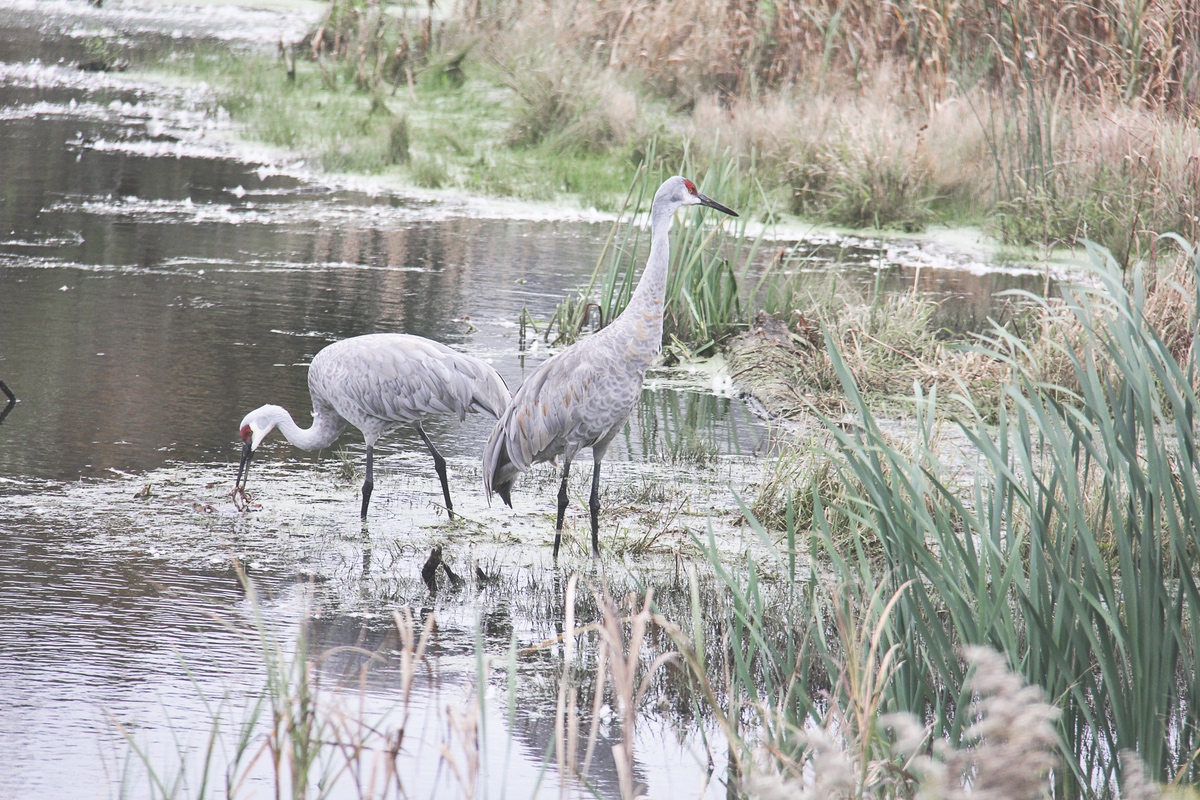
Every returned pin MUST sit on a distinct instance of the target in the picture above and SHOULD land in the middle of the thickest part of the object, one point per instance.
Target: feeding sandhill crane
(581, 396)
(377, 383)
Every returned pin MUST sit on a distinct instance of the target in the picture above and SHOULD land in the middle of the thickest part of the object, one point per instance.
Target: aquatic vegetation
(858, 651)
(297, 732)
(1116, 176)
(563, 102)
(802, 683)
(616, 663)
(890, 341)
(398, 141)
(318, 728)
(432, 136)
(1068, 548)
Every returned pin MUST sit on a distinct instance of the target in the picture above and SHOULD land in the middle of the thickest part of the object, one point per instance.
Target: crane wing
(573, 401)
(393, 379)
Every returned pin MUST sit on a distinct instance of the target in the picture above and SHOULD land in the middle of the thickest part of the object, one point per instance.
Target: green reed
(1068, 545)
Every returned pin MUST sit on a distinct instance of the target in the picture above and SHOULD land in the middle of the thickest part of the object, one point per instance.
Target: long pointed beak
(708, 201)
(243, 473)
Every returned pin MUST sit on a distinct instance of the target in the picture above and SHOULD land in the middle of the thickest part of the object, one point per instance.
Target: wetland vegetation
(996, 597)
(1040, 123)
(988, 592)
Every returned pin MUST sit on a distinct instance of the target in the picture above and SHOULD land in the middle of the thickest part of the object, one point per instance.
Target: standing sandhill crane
(377, 383)
(581, 396)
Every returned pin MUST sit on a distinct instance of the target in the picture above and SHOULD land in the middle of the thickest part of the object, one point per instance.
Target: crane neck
(324, 431)
(650, 295)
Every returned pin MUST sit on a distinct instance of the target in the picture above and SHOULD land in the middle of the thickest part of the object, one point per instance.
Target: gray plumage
(377, 383)
(581, 397)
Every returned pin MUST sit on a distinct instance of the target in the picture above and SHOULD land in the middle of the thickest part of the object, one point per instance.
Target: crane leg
(439, 464)
(369, 483)
(594, 508)
(562, 507)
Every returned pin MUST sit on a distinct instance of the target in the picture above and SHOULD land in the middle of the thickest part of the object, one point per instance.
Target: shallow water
(157, 282)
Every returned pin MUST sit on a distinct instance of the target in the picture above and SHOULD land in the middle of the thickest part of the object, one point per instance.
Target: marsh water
(158, 281)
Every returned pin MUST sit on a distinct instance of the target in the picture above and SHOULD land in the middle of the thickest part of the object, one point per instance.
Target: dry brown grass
(873, 157)
(623, 647)
(1053, 334)
(1063, 120)
(565, 99)
(1128, 51)
(1081, 118)
(857, 750)
(1116, 174)
(889, 345)
(1087, 169)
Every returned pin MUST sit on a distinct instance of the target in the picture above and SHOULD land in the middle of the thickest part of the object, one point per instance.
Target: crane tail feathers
(499, 472)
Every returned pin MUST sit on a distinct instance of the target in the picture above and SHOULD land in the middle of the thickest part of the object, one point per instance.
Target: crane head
(254, 428)
(258, 423)
(679, 191)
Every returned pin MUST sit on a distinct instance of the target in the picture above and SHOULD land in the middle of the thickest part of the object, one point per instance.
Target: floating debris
(12, 400)
(429, 571)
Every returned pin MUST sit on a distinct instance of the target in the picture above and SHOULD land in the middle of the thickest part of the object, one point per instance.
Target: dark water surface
(155, 285)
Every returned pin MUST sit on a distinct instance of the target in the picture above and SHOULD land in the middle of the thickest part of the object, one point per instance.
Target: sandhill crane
(377, 383)
(582, 395)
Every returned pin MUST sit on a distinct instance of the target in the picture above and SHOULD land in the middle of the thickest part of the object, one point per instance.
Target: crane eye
(691, 187)
(246, 433)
